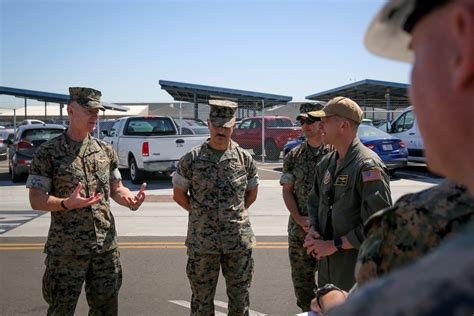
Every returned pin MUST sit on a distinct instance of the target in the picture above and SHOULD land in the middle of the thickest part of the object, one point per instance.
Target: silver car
(27, 140)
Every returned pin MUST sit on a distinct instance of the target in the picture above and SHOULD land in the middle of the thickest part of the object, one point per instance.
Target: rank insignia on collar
(342, 180)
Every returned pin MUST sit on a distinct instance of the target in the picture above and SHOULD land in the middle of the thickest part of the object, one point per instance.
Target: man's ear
(462, 31)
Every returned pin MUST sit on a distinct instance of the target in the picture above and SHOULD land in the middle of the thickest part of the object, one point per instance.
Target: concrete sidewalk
(163, 217)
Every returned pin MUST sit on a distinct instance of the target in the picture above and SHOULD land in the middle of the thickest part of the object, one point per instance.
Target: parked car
(103, 128)
(390, 149)
(149, 144)
(27, 140)
(405, 127)
(5, 135)
(277, 131)
(28, 122)
(191, 126)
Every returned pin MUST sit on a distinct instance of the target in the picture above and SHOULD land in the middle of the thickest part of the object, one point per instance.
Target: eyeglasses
(310, 120)
(422, 8)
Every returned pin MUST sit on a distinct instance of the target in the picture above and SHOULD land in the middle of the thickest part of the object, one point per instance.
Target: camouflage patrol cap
(340, 106)
(389, 33)
(222, 113)
(87, 97)
(309, 107)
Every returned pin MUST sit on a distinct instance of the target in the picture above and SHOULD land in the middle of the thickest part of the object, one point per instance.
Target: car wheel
(272, 150)
(391, 172)
(136, 175)
(15, 176)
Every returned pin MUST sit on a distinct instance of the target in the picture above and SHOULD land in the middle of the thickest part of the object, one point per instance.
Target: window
(150, 126)
(404, 122)
(245, 124)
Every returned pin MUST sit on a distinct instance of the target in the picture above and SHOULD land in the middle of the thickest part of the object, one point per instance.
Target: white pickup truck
(149, 144)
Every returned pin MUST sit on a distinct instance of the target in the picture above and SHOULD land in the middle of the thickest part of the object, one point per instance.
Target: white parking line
(251, 312)
(270, 170)
(217, 303)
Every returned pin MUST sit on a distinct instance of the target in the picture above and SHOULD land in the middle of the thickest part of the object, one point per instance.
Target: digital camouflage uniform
(415, 225)
(346, 195)
(219, 230)
(81, 243)
(441, 283)
(299, 168)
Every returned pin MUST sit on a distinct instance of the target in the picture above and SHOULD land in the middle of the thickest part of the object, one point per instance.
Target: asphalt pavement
(153, 255)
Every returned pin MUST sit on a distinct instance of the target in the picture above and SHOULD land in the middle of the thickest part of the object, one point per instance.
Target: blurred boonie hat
(340, 106)
(309, 107)
(87, 97)
(222, 113)
(388, 35)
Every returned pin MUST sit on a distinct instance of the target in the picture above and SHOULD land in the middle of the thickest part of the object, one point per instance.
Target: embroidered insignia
(371, 175)
(342, 180)
(327, 177)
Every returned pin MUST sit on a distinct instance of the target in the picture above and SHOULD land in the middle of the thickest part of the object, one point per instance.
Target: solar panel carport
(370, 93)
(46, 97)
(200, 94)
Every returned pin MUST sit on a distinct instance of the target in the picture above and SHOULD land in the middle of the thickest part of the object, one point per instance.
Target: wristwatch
(320, 292)
(338, 243)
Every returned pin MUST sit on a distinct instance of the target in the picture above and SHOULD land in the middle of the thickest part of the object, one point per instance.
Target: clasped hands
(316, 247)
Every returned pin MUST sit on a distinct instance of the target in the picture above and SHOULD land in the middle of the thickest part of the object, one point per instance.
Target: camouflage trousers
(303, 268)
(203, 272)
(64, 276)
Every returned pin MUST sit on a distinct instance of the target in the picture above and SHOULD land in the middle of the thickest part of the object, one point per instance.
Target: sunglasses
(309, 120)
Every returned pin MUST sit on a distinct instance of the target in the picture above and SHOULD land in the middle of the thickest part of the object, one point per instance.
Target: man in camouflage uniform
(415, 225)
(439, 33)
(299, 167)
(216, 183)
(73, 176)
(351, 184)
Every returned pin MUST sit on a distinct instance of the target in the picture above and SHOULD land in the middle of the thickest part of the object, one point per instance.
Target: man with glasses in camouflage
(299, 167)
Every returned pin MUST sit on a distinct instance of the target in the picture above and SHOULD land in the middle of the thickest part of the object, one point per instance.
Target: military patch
(327, 177)
(342, 180)
(371, 175)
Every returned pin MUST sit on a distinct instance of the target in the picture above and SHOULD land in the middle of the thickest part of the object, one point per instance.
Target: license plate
(387, 147)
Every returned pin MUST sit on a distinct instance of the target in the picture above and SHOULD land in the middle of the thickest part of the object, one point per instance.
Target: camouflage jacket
(299, 168)
(57, 168)
(217, 185)
(441, 283)
(415, 225)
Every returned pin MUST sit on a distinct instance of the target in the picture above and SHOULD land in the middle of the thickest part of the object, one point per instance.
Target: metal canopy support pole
(180, 118)
(26, 111)
(14, 122)
(196, 116)
(61, 106)
(387, 97)
(263, 132)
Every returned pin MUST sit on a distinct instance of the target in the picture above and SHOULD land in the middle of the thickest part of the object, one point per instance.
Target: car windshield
(369, 131)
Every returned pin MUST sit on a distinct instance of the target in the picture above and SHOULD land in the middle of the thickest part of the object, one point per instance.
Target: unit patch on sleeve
(342, 180)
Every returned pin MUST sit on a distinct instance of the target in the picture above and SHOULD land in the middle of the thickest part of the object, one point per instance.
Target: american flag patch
(371, 175)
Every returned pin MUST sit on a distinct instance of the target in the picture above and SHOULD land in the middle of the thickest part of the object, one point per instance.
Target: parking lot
(152, 250)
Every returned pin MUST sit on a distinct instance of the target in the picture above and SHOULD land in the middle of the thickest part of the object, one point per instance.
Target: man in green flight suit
(297, 179)
(351, 184)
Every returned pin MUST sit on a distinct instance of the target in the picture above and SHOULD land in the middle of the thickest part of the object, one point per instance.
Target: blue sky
(123, 48)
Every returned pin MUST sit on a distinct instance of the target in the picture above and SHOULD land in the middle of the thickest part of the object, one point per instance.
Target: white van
(405, 127)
